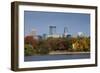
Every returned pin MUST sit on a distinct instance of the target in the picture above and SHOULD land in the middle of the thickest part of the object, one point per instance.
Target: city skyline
(75, 22)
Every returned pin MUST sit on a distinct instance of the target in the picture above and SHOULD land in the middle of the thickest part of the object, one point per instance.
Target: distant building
(65, 31)
(33, 33)
(44, 36)
(54, 36)
(69, 36)
(39, 37)
(53, 33)
(52, 30)
(81, 34)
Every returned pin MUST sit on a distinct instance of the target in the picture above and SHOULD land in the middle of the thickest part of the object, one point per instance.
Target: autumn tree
(31, 40)
(58, 44)
(30, 46)
(81, 44)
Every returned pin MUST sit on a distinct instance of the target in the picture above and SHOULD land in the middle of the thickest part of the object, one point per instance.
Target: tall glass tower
(65, 31)
(52, 30)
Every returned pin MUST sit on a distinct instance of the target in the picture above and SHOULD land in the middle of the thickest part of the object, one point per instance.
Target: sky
(40, 21)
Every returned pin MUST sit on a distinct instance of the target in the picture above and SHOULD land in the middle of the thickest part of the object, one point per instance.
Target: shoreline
(62, 53)
(54, 53)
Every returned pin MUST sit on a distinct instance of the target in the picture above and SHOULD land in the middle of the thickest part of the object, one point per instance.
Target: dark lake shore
(60, 56)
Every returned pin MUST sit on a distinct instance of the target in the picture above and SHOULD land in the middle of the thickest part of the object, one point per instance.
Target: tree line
(41, 46)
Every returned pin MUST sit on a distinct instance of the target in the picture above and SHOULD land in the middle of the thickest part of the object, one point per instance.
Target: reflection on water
(57, 57)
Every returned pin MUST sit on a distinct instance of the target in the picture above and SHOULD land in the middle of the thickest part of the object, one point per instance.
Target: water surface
(57, 57)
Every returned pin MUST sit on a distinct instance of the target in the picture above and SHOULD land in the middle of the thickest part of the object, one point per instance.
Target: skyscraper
(65, 31)
(52, 30)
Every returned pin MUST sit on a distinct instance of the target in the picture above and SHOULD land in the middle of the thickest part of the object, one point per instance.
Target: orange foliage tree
(30, 40)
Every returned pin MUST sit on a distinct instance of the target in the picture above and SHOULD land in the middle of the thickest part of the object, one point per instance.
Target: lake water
(57, 57)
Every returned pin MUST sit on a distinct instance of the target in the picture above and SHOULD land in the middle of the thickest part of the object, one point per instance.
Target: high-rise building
(52, 30)
(65, 31)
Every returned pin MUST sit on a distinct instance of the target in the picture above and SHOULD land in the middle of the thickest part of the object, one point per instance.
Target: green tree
(29, 50)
